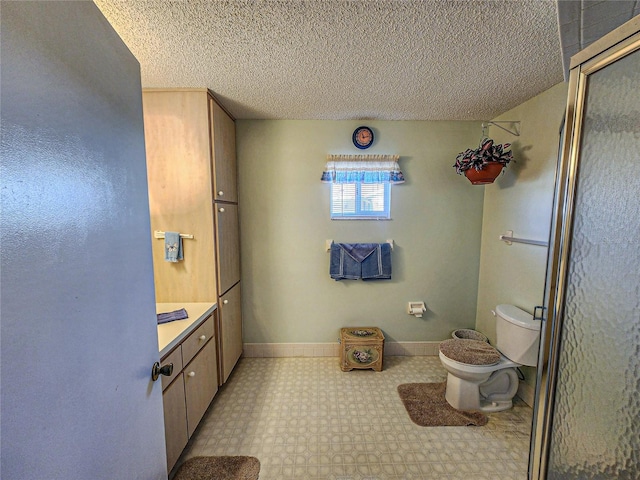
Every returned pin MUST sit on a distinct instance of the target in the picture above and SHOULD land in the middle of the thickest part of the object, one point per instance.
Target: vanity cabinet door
(224, 154)
(174, 358)
(230, 311)
(175, 420)
(200, 384)
(228, 245)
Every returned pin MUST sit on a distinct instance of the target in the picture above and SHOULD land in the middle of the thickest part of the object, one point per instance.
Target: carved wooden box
(361, 347)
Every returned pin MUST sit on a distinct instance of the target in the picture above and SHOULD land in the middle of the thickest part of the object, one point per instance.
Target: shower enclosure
(587, 410)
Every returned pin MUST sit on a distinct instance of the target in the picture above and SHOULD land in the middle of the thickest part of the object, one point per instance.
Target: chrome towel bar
(327, 244)
(159, 234)
(508, 238)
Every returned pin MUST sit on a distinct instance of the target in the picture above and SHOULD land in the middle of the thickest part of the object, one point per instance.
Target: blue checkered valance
(363, 169)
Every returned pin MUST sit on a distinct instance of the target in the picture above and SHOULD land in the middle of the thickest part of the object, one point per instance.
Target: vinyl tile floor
(304, 418)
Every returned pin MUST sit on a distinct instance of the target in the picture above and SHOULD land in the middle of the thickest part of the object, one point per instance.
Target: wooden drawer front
(175, 421)
(174, 357)
(197, 340)
(200, 384)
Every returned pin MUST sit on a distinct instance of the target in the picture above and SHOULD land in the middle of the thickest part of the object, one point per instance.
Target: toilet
(482, 377)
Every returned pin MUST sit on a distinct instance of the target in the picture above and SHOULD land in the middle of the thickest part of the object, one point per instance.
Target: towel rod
(327, 244)
(508, 238)
(159, 234)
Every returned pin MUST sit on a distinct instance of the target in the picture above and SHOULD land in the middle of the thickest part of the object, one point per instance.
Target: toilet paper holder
(416, 308)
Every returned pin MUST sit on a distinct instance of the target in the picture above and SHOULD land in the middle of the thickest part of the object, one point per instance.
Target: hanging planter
(482, 165)
(487, 174)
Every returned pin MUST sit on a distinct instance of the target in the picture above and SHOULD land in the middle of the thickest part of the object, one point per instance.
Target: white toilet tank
(518, 335)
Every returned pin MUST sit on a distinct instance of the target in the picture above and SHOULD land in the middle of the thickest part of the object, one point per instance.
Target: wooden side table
(361, 347)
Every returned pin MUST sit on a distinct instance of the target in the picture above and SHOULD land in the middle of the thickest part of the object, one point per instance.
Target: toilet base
(491, 392)
(499, 406)
(463, 394)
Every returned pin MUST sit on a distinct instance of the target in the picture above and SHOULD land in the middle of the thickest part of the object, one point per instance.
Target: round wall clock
(362, 137)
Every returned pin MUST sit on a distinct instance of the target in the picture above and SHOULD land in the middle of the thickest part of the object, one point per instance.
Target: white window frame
(337, 203)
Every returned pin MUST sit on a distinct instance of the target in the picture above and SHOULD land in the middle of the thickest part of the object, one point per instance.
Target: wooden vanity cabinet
(227, 238)
(192, 175)
(188, 392)
(229, 299)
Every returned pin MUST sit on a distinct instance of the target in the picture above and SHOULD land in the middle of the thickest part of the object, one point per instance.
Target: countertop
(172, 333)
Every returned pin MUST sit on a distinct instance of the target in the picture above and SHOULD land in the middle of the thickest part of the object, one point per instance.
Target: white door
(78, 309)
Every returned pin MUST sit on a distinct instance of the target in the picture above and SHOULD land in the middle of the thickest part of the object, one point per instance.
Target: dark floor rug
(427, 407)
(219, 468)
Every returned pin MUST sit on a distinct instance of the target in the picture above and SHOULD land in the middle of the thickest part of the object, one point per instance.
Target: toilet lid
(471, 352)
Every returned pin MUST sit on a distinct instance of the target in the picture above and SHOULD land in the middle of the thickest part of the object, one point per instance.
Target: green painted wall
(288, 295)
(520, 200)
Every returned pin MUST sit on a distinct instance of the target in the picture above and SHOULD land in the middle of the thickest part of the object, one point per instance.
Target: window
(361, 185)
(360, 200)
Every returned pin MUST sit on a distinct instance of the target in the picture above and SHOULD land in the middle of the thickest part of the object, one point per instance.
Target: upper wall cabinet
(224, 148)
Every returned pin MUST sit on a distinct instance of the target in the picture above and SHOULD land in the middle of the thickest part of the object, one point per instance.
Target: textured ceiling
(334, 59)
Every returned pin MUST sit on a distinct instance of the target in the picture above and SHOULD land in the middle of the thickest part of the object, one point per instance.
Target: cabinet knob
(203, 337)
(221, 193)
(221, 209)
(225, 301)
(191, 374)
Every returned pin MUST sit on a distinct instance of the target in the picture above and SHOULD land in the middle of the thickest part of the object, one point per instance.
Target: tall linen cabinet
(191, 165)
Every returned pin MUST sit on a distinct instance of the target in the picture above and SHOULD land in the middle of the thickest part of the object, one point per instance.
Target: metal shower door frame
(610, 48)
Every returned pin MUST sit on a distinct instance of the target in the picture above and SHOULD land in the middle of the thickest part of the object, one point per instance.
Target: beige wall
(437, 216)
(520, 200)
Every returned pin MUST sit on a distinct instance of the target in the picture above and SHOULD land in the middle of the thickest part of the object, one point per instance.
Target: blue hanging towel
(172, 246)
(337, 265)
(377, 266)
(368, 261)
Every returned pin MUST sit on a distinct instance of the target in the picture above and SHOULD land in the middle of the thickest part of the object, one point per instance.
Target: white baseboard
(332, 349)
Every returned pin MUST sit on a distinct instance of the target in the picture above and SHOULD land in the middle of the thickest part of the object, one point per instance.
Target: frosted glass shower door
(594, 420)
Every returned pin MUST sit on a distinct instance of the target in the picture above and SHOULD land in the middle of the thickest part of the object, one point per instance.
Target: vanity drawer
(197, 340)
(174, 357)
